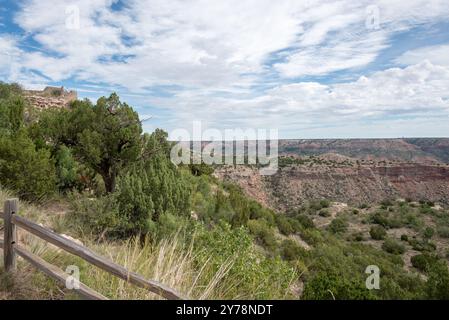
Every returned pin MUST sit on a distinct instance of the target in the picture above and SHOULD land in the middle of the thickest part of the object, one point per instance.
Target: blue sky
(311, 69)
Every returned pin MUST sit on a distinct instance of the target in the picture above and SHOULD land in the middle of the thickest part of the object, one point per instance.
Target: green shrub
(25, 170)
(149, 190)
(422, 245)
(329, 286)
(256, 211)
(428, 232)
(284, 225)
(437, 286)
(311, 236)
(315, 206)
(305, 221)
(383, 218)
(250, 269)
(290, 250)
(380, 218)
(378, 232)
(443, 231)
(263, 233)
(12, 107)
(392, 246)
(325, 203)
(426, 209)
(404, 237)
(358, 236)
(338, 225)
(97, 216)
(423, 261)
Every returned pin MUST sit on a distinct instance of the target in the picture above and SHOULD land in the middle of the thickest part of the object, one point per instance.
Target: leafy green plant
(392, 246)
(24, 169)
(424, 261)
(290, 250)
(378, 232)
(332, 286)
(263, 233)
(428, 232)
(437, 286)
(338, 225)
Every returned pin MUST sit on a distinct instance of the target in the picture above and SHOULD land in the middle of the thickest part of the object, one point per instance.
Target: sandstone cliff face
(293, 185)
(50, 97)
(353, 171)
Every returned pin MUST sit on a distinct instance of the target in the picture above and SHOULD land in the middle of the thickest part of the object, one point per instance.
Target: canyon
(357, 171)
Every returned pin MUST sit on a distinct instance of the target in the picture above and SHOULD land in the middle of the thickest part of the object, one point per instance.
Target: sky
(310, 69)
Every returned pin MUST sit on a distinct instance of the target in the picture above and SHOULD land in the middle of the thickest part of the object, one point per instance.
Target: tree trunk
(109, 182)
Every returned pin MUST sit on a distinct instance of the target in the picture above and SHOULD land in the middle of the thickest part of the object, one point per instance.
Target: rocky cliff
(50, 97)
(358, 171)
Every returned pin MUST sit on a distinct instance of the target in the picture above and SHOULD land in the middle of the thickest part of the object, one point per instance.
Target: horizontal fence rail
(10, 248)
(57, 274)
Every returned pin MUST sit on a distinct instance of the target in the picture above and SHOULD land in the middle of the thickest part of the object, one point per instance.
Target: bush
(290, 250)
(249, 268)
(377, 232)
(284, 225)
(315, 206)
(425, 209)
(96, 216)
(428, 233)
(443, 232)
(423, 261)
(12, 106)
(325, 203)
(305, 221)
(404, 237)
(422, 245)
(329, 286)
(437, 286)
(338, 225)
(358, 236)
(27, 171)
(263, 233)
(392, 246)
(382, 218)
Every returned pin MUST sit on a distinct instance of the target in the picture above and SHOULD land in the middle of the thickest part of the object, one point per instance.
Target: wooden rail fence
(11, 248)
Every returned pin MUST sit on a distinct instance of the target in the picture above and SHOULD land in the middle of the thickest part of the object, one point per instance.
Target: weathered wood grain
(9, 234)
(57, 274)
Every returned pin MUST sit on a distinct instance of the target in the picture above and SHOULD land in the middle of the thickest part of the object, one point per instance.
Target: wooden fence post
(10, 235)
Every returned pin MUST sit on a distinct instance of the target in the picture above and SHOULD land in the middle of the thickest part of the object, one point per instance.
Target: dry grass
(171, 262)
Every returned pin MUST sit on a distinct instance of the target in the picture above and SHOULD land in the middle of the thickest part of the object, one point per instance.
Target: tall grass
(171, 262)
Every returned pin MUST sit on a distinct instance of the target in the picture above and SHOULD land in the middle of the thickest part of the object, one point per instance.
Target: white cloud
(438, 54)
(211, 54)
(205, 44)
(418, 92)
